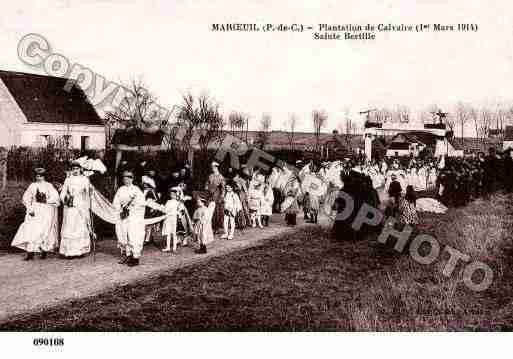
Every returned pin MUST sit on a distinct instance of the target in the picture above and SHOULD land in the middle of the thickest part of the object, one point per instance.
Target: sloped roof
(44, 100)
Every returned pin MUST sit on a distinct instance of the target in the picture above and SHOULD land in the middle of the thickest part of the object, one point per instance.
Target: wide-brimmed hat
(39, 171)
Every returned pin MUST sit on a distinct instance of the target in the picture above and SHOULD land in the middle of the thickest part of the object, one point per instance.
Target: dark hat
(149, 168)
(39, 171)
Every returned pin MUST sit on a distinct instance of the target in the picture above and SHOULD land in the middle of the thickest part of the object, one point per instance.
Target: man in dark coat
(490, 167)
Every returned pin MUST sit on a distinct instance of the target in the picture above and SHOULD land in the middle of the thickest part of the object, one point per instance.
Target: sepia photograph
(284, 167)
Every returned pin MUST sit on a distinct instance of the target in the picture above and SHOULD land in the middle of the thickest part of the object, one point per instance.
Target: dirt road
(26, 287)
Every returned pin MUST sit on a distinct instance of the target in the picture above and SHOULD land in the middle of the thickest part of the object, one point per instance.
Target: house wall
(11, 118)
(32, 134)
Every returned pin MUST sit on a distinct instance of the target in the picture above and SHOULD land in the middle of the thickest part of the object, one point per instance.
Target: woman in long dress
(76, 222)
(130, 203)
(242, 219)
(39, 232)
(150, 193)
(215, 187)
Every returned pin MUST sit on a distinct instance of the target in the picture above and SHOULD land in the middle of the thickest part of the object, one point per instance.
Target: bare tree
(450, 122)
(291, 125)
(232, 123)
(402, 114)
(462, 116)
(264, 133)
(483, 127)
(139, 108)
(211, 122)
(199, 115)
(238, 121)
(319, 119)
(381, 115)
(501, 116)
(348, 128)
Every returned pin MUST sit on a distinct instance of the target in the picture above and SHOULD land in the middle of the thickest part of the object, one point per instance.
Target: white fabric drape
(106, 211)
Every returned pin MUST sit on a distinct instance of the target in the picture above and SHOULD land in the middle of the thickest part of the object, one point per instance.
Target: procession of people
(144, 209)
(147, 207)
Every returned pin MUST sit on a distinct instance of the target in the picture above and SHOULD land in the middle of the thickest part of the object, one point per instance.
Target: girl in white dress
(202, 218)
(255, 199)
(173, 208)
(76, 222)
(267, 204)
(232, 206)
(39, 232)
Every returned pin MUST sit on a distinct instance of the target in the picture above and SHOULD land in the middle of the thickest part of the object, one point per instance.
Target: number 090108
(48, 342)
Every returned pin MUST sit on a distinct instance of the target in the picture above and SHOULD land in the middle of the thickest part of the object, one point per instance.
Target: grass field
(306, 281)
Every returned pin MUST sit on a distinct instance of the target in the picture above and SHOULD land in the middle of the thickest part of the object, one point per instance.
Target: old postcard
(254, 166)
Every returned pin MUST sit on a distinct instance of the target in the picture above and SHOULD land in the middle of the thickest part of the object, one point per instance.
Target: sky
(169, 44)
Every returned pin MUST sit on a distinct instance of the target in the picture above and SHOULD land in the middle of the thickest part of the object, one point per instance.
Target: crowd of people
(458, 180)
(464, 179)
(148, 208)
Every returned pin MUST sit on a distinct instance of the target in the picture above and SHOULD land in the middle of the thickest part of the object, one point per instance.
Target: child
(407, 208)
(255, 203)
(232, 206)
(311, 207)
(202, 218)
(172, 208)
(394, 193)
(267, 204)
(291, 207)
(306, 207)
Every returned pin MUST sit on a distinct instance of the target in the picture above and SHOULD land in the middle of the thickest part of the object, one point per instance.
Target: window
(84, 143)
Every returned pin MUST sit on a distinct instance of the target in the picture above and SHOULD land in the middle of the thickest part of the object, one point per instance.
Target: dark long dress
(242, 220)
(215, 186)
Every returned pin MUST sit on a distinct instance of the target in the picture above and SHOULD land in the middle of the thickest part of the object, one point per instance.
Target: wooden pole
(119, 153)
